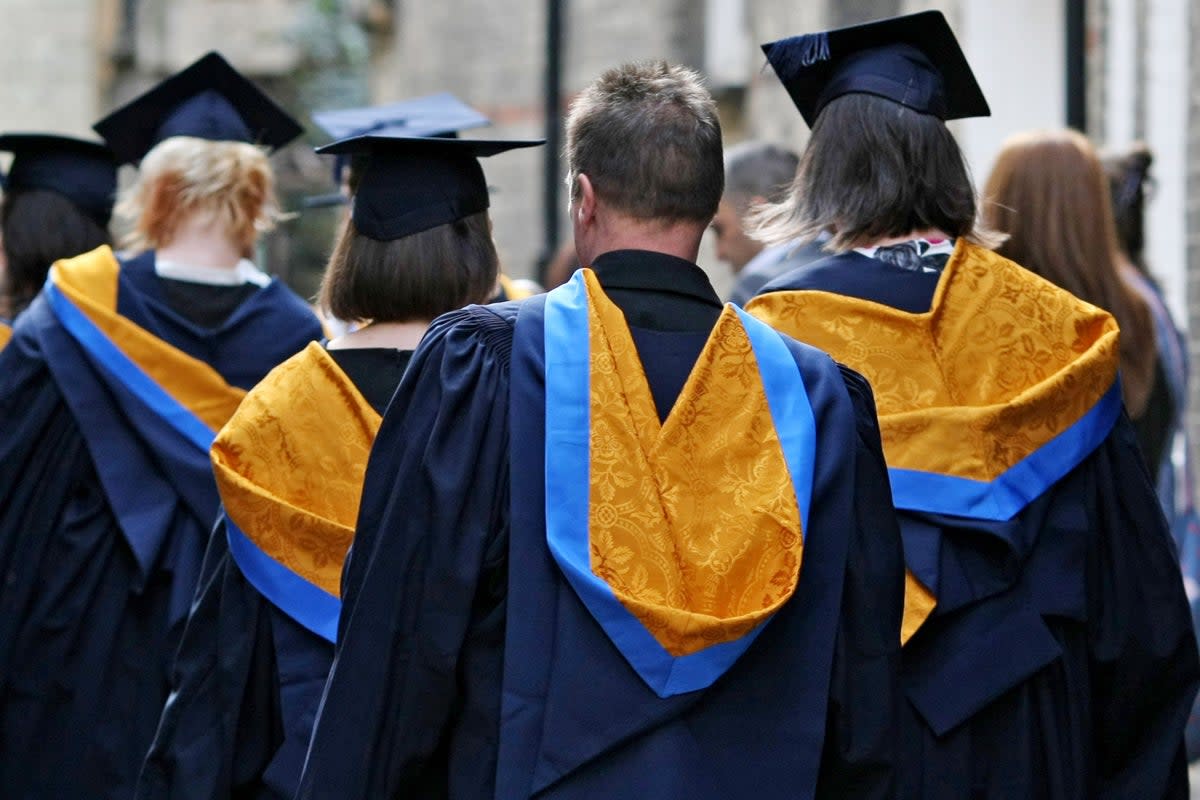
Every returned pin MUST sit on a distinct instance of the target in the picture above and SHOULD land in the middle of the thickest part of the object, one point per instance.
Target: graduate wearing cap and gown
(289, 465)
(442, 115)
(116, 380)
(480, 655)
(58, 200)
(1048, 651)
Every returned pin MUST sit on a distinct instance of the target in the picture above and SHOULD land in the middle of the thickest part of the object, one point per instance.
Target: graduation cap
(912, 60)
(412, 183)
(208, 100)
(441, 115)
(84, 172)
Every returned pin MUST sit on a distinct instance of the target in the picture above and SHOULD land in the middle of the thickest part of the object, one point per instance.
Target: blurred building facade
(67, 61)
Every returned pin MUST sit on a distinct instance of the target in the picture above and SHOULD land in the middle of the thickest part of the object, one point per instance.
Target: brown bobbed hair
(414, 278)
(183, 176)
(648, 137)
(1049, 193)
(872, 170)
(38, 227)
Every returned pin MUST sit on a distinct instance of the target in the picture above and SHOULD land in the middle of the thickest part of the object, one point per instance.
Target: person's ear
(585, 204)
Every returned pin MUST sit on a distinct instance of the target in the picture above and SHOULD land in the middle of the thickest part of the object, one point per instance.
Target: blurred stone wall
(51, 53)
(258, 34)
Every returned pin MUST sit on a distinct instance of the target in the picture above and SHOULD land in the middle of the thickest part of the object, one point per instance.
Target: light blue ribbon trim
(123, 369)
(1022, 483)
(306, 603)
(568, 425)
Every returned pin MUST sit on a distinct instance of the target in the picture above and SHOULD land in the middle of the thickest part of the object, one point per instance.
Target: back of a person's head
(411, 279)
(1128, 175)
(1049, 194)
(648, 138)
(759, 169)
(231, 183)
(39, 227)
(874, 169)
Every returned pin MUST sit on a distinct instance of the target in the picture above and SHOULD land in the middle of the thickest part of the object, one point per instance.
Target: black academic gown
(1059, 661)
(428, 639)
(90, 610)
(248, 677)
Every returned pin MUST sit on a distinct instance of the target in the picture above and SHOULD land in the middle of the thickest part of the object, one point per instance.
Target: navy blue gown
(1059, 661)
(466, 667)
(248, 677)
(103, 525)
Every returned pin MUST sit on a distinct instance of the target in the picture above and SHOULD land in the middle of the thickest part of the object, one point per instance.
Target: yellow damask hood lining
(936, 374)
(290, 465)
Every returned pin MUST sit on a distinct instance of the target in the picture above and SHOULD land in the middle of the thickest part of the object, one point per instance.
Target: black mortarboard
(208, 100)
(83, 172)
(913, 60)
(412, 184)
(433, 115)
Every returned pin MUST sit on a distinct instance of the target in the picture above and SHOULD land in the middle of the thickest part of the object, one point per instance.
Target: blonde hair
(184, 176)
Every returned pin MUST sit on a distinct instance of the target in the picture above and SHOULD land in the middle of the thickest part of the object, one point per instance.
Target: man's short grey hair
(648, 137)
(759, 169)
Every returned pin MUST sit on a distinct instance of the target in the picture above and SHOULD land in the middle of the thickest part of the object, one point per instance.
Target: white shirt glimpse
(243, 272)
(924, 246)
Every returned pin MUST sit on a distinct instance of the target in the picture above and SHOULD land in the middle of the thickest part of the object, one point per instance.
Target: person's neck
(681, 240)
(202, 243)
(931, 234)
(395, 335)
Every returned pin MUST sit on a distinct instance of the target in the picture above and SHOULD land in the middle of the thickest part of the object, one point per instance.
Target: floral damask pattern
(1002, 362)
(290, 465)
(694, 523)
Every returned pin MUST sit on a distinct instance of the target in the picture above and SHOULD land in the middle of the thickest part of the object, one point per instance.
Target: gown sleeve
(861, 744)
(220, 725)
(1144, 662)
(435, 501)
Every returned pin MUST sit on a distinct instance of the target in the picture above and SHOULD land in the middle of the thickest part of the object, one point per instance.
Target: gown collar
(657, 272)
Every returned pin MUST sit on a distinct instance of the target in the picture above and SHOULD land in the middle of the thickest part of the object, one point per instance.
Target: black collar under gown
(450, 599)
(94, 596)
(1059, 663)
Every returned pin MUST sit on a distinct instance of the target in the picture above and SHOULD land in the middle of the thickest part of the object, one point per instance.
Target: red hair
(183, 176)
